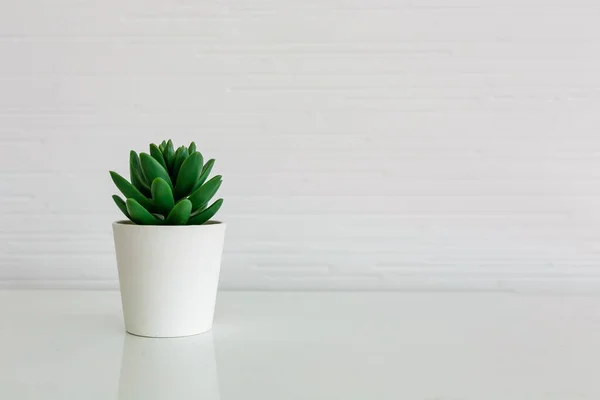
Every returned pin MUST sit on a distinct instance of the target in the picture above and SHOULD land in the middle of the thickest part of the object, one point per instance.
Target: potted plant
(169, 251)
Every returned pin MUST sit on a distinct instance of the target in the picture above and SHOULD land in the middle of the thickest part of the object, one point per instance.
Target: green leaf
(202, 195)
(152, 169)
(162, 196)
(192, 147)
(121, 204)
(169, 155)
(162, 146)
(128, 190)
(158, 156)
(206, 214)
(141, 215)
(180, 214)
(136, 175)
(205, 172)
(188, 175)
(180, 155)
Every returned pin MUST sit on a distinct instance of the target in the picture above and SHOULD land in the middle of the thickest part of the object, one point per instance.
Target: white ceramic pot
(168, 276)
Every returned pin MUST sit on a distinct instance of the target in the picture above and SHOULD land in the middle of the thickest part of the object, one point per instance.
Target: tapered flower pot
(168, 276)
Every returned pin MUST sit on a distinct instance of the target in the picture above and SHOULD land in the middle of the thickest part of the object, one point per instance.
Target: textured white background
(375, 144)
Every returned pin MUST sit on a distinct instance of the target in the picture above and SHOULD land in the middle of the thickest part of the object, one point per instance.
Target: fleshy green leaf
(180, 155)
(128, 190)
(206, 214)
(136, 175)
(169, 154)
(162, 146)
(202, 195)
(152, 169)
(141, 215)
(188, 175)
(162, 196)
(180, 214)
(205, 172)
(192, 147)
(121, 204)
(158, 156)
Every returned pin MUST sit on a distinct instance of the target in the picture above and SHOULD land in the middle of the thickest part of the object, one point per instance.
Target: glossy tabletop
(415, 346)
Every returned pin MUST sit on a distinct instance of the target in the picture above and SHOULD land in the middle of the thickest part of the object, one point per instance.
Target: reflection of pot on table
(180, 368)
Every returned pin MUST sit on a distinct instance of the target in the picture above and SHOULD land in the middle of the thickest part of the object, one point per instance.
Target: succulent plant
(168, 187)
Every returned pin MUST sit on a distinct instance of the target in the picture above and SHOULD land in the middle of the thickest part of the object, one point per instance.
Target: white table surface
(414, 346)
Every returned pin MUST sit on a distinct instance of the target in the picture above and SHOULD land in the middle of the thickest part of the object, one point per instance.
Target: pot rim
(127, 223)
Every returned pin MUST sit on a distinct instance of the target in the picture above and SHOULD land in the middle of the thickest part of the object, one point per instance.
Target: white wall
(376, 144)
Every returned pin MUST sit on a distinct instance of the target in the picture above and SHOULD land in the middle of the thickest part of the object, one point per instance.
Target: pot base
(167, 337)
